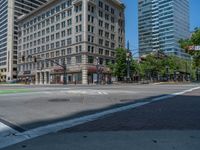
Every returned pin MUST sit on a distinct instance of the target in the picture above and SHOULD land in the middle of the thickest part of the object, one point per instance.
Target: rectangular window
(69, 41)
(69, 60)
(69, 51)
(78, 59)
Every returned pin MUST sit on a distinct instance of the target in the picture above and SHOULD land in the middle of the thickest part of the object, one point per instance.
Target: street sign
(27, 72)
(194, 48)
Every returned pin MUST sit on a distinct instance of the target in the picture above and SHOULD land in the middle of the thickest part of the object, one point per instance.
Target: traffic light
(23, 58)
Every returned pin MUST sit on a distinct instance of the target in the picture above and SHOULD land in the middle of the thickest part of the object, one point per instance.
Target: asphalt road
(44, 105)
(47, 105)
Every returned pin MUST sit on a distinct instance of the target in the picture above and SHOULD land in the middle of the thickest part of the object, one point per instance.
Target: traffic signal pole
(64, 66)
(97, 68)
(128, 57)
(65, 74)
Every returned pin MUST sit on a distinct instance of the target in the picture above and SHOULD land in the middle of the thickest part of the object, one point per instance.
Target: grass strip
(14, 91)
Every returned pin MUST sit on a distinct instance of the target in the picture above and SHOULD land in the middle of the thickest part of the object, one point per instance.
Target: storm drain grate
(59, 100)
(126, 100)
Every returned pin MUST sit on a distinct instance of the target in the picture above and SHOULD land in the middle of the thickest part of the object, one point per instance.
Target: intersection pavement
(48, 105)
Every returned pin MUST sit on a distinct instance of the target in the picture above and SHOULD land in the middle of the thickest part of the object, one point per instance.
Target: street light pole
(128, 55)
(97, 68)
(65, 73)
(174, 75)
(128, 66)
(198, 74)
(167, 72)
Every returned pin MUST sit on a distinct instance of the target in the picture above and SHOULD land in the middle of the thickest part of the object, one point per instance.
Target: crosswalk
(85, 92)
(91, 92)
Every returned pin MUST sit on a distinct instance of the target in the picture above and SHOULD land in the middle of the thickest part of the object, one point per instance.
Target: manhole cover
(59, 100)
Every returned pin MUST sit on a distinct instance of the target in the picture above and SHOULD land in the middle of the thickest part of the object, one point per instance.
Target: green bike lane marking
(14, 91)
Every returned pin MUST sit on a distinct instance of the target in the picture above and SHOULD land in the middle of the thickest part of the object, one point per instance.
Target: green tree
(194, 40)
(134, 67)
(119, 68)
(152, 67)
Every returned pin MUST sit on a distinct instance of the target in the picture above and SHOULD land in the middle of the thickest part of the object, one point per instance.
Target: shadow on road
(178, 113)
(181, 112)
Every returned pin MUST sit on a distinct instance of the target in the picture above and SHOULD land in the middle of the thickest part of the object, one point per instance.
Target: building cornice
(23, 17)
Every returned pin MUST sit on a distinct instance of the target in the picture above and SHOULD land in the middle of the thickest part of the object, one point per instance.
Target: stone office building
(78, 33)
(10, 10)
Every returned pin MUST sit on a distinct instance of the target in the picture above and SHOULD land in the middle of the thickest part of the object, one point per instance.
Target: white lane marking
(174, 94)
(99, 93)
(55, 127)
(105, 93)
(102, 93)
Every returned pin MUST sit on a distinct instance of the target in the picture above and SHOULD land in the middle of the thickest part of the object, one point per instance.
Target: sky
(132, 21)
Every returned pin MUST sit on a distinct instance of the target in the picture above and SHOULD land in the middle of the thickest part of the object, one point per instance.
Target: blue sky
(132, 25)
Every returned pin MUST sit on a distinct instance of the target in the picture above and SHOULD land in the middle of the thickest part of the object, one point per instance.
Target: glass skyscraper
(162, 23)
(10, 10)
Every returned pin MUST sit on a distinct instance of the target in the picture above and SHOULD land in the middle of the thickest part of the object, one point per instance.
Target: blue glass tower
(162, 23)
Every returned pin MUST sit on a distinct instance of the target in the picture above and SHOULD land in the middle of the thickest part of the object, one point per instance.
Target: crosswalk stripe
(87, 92)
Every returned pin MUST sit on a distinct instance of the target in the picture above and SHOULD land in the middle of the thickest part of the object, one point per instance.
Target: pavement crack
(194, 137)
(10, 134)
(24, 146)
(155, 141)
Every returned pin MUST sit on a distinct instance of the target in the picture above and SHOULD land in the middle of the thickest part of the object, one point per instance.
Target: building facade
(9, 12)
(81, 34)
(162, 23)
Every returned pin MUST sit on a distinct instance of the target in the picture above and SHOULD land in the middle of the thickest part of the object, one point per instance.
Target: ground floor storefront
(2, 75)
(87, 75)
(3, 78)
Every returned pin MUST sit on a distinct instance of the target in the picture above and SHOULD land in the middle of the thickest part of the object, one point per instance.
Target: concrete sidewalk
(121, 140)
